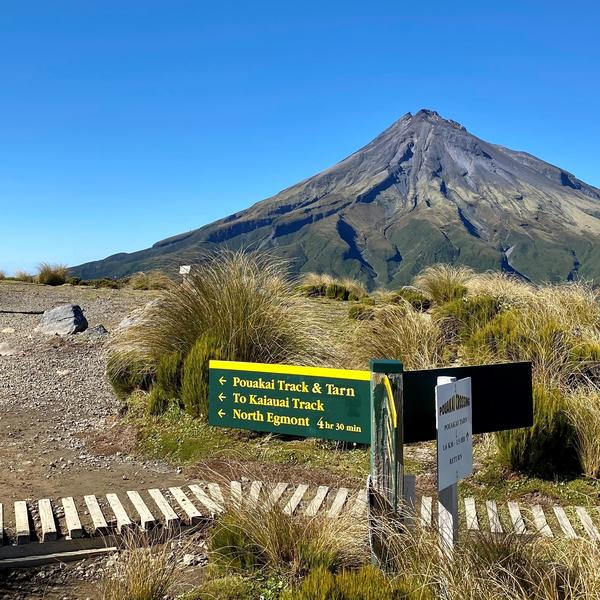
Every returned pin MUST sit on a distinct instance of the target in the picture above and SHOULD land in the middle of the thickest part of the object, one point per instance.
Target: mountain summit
(423, 191)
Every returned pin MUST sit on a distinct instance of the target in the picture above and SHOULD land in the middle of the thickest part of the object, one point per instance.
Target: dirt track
(55, 403)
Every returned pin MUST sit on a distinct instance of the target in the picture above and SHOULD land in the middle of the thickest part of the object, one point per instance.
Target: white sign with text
(453, 405)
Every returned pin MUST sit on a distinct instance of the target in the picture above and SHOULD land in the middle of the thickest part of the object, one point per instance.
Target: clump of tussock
(444, 283)
(583, 409)
(314, 285)
(242, 305)
(152, 280)
(509, 289)
(143, 571)
(52, 274)
(24, 277)
(414, 297)
(2, 275)
(264, 536)
(464, 317)
(400, 332)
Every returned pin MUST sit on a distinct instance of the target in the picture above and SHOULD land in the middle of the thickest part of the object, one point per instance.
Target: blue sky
(122, 123)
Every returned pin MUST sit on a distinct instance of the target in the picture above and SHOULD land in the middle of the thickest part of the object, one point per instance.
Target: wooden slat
(315, 504)
(170, 516)
(99, 524)
(22, 531)
(292, 503)
(426, 511)
(276, 494)
(517, 518)
(338, 502)
(236, 493)
(360, 503)
(471, 514)
(564, 522)
(587, 523)
(214, 489)
(47, 522)
(494, 518)
(211, 506)
(193, 516)
(123, 520)
(255, 488)
(147, 520)
(539, 518)
(74, 528)
(445, 529)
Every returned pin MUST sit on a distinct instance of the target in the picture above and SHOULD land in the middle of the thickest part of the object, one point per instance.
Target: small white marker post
(454, 451)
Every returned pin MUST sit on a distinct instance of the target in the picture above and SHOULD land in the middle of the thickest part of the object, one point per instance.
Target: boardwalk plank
(296, 498)
(193, 516)
(587, 523)
(214, 489)
(338, 502)
(74, 528)
(147, 520)
(123, 521)
(276, 494)
(169, 515)
(315, 504)
(493, 516)
(471, 514)
(47, 522)
(22, 531)
(99, 524)
(204, 499)
(360, 503)
(516, 517)
(236, 493)
(564, 523)
(539, 518)
(426, 511)
(255, 488)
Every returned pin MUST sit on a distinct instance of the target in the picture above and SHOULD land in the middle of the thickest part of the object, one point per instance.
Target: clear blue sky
(122, 123)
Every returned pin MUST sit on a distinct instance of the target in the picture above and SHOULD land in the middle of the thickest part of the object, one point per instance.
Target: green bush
(229, 587)
(168, 373)
(548, 448)
(194, 383)
(112, 284)
(52, 274)
(367, 583)
(336, 291)
(414, 297)
(74, 280)
(158, 400)
(465, 316)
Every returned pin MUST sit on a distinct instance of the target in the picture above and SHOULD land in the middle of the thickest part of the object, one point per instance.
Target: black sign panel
(502, 398)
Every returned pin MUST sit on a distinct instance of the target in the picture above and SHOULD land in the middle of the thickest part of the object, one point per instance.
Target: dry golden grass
(51, 274)
(444, 283)
(584, 411)
(152, 280)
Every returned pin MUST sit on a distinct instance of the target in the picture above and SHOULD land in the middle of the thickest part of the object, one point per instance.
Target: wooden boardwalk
(33, 532)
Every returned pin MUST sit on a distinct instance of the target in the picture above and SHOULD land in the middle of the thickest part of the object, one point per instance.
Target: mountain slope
(424, 191)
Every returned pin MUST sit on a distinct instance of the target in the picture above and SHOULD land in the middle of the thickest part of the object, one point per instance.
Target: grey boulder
(63, 320)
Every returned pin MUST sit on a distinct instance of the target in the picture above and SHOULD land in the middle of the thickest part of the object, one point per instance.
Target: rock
(7, 349)
(63, 320)
(98, 330)
(138, 315)
(189, 560)
(8, 330)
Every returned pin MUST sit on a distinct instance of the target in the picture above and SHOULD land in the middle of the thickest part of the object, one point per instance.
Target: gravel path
(54, 401)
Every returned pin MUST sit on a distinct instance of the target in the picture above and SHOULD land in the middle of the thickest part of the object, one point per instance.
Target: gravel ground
(55, 403)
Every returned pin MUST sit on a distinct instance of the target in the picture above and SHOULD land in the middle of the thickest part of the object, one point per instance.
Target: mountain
(424, 191)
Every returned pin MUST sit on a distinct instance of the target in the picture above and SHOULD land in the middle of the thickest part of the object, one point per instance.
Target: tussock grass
(259, 537)
(444, 283)
(143, 571)
(52, 274)
(583, 409)
(152, 280)
(315, 285)
(24, 277)
(403, 333)
(2, 275)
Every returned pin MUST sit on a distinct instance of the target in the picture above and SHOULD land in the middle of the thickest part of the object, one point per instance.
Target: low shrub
(228, 587)
(168, 373)
(158, 400)
(194, 388)
(549, 447)
(111, 284)
(444, 283)
(52, 274)
(414, 297)
(74, 280)
(366, 583)
(127, 371)
(465, 316)
(153, 280)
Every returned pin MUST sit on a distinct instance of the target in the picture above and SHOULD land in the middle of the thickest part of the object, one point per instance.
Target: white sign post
(453, 409)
